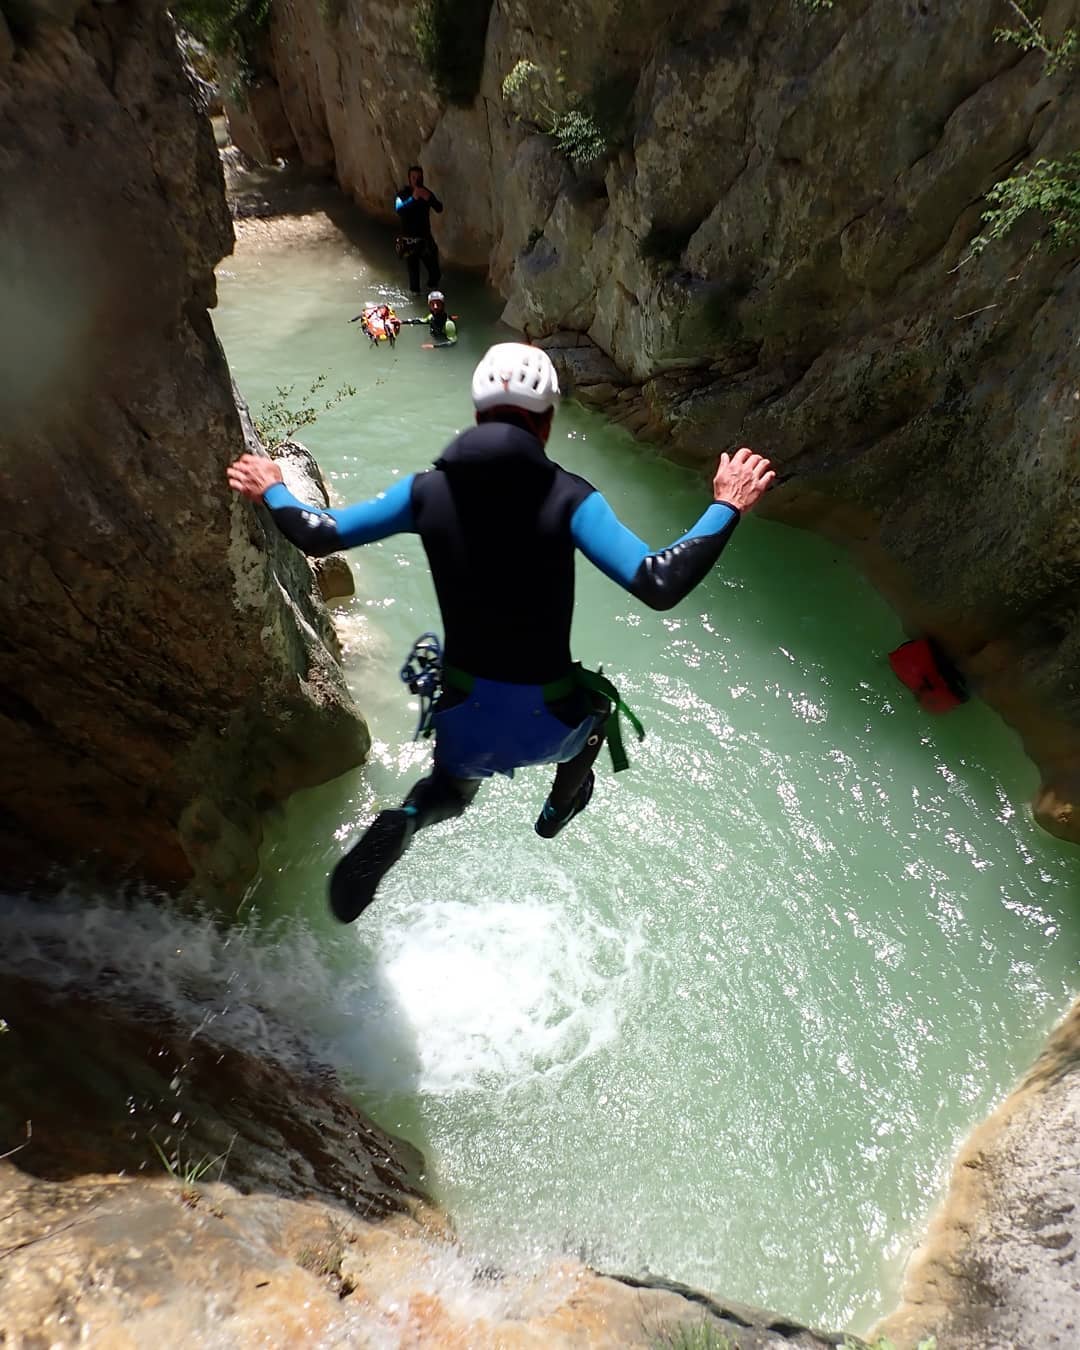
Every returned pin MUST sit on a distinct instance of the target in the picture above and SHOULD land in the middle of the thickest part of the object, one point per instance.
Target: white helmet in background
(512, 375)
(435, 295)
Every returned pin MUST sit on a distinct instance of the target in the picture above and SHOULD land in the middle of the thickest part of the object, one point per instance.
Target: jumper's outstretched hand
(742, 479)
(251, 475)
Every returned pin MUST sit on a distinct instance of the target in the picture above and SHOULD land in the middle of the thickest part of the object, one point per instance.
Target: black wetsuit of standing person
(414, 204)
(500, 523)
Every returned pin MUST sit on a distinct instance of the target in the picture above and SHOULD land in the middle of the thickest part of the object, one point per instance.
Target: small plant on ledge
(281, 417)
(575, 130)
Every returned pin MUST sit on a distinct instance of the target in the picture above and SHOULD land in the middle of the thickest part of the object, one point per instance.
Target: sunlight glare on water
(729, 1026)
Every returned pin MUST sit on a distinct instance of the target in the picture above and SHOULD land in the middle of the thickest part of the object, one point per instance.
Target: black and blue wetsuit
(416, 242)
(500, 523)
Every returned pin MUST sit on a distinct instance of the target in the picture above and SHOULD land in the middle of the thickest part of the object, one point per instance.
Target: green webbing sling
(579, 678)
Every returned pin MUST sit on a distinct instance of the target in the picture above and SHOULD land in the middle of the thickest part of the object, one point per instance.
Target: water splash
(502, 992)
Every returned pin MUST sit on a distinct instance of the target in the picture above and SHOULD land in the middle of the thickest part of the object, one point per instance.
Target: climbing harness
(596, 682)
(422, 672)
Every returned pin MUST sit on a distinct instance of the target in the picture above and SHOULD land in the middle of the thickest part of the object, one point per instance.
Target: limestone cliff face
(775, 251)
(997, 1268)
(165, 670)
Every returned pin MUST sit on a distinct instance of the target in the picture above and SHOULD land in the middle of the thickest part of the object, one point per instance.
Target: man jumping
(500, 523)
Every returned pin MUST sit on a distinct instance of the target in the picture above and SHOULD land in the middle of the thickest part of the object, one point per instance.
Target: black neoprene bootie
(550, 821)
(356, 877)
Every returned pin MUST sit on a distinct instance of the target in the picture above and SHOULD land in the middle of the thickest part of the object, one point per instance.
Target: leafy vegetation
(230, 29)
(450, 38)
(577, 137)
(525, 78)
(1051, 187)
(280, 418)
(1060, 55)
(187, 1173)
(574, 128)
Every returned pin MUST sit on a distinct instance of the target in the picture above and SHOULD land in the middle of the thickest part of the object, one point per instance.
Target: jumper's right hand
(422, 192)
(742, 479)
(251, 475)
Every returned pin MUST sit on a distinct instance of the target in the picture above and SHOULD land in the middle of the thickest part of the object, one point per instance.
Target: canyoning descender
(930, 675)
(422, 673)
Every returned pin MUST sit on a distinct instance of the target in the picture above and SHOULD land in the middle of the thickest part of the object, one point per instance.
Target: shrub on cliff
(1050, 187)
(283, 416)
(532, 95)
(229, 28)
(450, 38)
(1061, 54)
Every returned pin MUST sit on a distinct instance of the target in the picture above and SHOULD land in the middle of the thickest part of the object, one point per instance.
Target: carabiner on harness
(422, 672)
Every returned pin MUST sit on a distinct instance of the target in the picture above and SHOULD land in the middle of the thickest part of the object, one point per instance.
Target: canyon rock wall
(166, 670)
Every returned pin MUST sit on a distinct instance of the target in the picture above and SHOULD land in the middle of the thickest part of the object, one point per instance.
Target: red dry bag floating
(927, 672)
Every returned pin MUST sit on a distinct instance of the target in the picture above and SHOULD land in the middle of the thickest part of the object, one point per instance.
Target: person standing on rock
(500, 523)
(414, 204)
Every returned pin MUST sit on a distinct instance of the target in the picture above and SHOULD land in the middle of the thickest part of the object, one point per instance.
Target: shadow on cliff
(92, 1083)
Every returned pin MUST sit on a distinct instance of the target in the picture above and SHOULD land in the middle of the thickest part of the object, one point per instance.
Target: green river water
(732, 1024)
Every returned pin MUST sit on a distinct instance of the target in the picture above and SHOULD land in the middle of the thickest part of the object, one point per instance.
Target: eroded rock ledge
(178, 1190)
(998, 1268)
(166, 670)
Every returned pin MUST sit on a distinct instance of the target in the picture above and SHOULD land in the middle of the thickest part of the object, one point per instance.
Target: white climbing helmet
(515, 376)
(436, 295)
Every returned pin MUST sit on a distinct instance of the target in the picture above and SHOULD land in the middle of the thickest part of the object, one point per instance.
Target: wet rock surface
(128, 1262)
(172, 1187)
(998, 1268)
(166, 668)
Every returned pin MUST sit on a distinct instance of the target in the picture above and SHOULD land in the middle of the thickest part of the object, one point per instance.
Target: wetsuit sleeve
(318, 533)
(434, 203)
(660, 579)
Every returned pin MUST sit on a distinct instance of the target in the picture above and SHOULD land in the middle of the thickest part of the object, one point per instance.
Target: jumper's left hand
(742, 479)
(251, 475)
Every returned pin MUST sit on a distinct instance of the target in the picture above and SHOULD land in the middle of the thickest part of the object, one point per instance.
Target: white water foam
(257, 990)
(440, 997)
(498, 993)
(451, 996)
